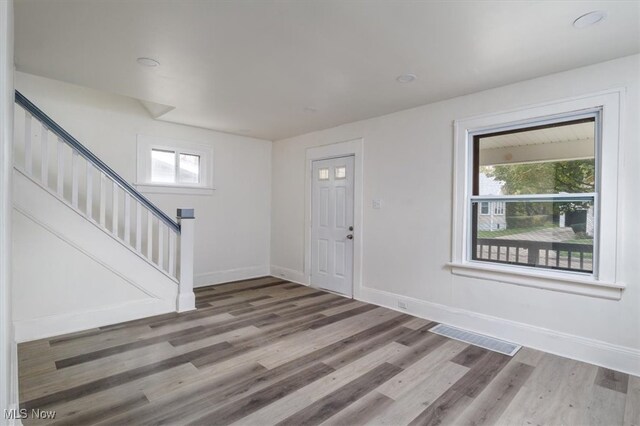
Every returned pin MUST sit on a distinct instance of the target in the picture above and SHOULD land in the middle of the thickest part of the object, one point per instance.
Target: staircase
(73, 201)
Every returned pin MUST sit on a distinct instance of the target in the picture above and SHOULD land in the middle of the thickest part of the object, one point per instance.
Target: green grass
(576, 256)
(511, 231)
(580, 241)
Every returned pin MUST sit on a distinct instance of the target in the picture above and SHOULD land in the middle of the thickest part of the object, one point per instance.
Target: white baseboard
(55, 325)
(596, 352)
(289, 274)
(219, 277)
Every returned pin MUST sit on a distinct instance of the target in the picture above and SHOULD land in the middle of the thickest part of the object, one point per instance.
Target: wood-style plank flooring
(266, 351)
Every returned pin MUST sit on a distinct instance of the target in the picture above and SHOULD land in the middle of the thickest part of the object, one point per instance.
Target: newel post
(186, 298)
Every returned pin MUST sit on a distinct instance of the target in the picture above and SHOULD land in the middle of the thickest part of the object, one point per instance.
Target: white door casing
(332, 219)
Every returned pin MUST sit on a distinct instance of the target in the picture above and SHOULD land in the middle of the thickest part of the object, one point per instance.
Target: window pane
(323, 174)
(189, 168)
(543, 234)
(540, 160)
(163, 166)
(341, 172)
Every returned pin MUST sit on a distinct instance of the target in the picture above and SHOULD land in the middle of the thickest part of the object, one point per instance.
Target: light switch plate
(377, 203)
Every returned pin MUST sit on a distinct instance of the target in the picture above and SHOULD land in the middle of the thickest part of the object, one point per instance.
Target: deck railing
(554, 255)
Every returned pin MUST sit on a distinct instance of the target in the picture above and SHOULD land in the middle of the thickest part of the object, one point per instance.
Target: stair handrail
(92, 158)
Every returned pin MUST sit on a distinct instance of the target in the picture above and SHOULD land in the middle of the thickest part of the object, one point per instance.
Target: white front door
(332, 230)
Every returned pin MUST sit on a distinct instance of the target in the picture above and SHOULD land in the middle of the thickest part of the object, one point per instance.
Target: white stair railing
(87, 185)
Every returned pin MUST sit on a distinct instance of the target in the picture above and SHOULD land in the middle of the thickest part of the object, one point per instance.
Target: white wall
(408, 163)
(232, 225)
(8, 349)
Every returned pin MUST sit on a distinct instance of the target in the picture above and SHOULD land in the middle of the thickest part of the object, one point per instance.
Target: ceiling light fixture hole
(147, 62)
(406, 78)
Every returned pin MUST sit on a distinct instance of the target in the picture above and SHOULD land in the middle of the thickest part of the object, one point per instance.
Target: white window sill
(554, 281)
(151, 188)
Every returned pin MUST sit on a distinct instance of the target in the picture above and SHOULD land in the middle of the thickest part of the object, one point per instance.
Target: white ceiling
(252, 67)
(569, 133)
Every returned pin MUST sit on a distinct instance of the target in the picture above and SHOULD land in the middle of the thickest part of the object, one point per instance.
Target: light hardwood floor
(267, 351)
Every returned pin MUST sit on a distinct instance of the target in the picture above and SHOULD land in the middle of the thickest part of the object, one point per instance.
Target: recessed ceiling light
(590, 18)
(406, 78)
(147, 62)
(310, 109)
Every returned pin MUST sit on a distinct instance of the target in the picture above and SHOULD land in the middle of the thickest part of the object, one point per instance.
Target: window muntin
(534, 196)
(323, 174)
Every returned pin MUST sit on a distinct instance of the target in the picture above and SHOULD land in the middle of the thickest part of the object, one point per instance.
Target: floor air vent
(476, 339)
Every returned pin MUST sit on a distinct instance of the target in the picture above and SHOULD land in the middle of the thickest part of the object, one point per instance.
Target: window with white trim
(544, 177)
(536, 196)
(484, 208)
(170, 165)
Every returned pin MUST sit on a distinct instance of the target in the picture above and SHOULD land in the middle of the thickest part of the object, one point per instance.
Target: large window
(534, 196)
(168, 165)
(535, 199)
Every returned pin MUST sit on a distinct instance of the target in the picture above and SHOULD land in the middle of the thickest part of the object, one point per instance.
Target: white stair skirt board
(486, 342)
(50, 213)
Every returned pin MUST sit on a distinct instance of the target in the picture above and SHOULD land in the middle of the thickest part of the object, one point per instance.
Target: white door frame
(8, 347)
(339, 149)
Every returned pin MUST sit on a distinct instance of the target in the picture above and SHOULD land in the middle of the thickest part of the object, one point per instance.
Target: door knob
(350, 236)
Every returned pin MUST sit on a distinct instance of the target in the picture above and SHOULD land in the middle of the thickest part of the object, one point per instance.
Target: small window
(484, 207)
(498, 208)
(164, 170)
(323, 174)
(176, 164)
(163, 167)
(340, 172)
